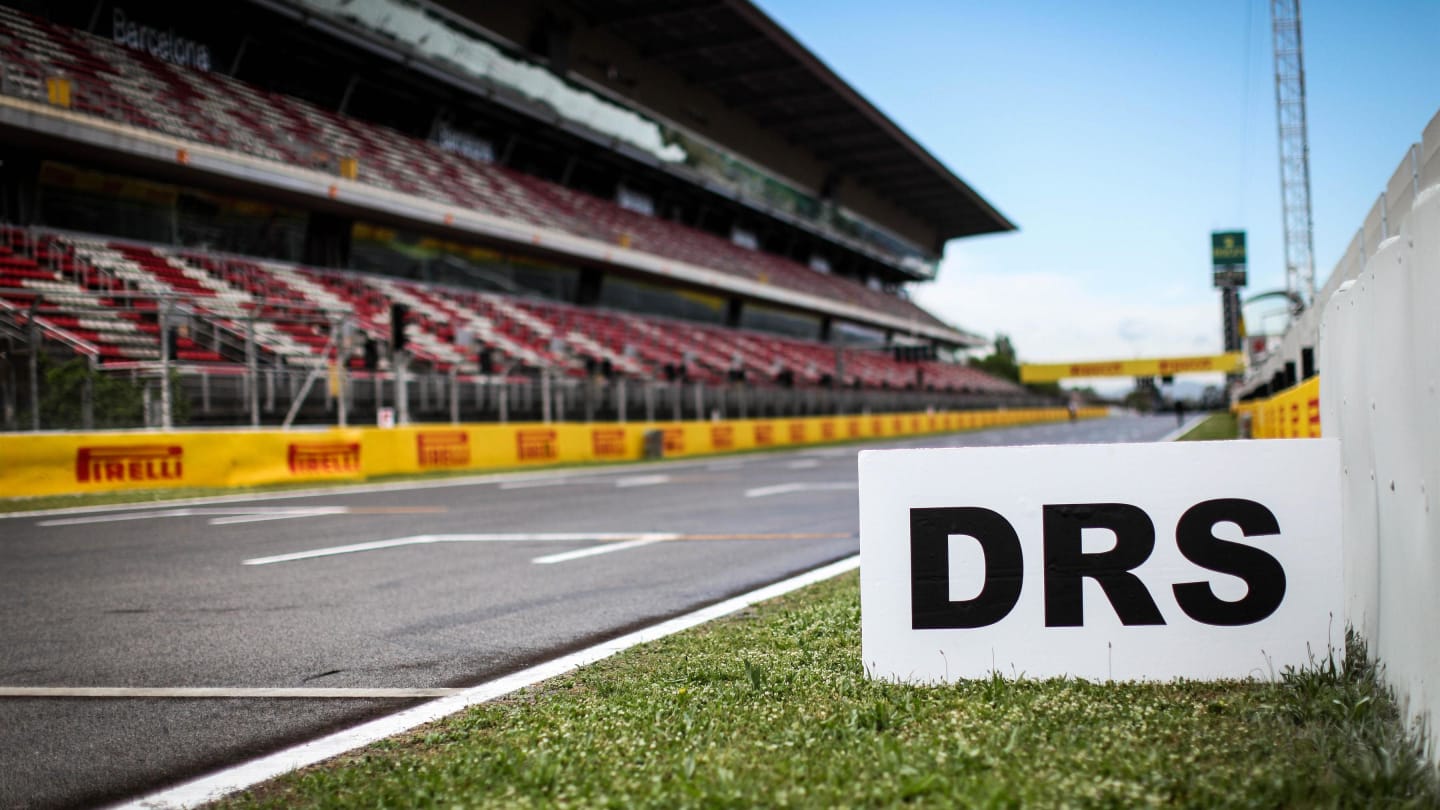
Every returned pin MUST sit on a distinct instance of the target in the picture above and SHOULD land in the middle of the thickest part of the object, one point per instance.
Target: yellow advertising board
(75, 463)
(1147, 367)
(1291, 414)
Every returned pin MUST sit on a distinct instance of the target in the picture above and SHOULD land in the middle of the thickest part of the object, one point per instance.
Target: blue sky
(1118, 135)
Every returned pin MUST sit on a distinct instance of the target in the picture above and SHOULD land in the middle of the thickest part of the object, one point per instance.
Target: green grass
(1218, 426)
(772, 708)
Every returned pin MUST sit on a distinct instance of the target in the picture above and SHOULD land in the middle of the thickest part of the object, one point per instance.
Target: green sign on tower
(1227, 258)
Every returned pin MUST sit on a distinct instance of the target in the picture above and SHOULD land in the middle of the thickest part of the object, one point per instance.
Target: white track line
(786, 489)
(803, 464)
(216, 692)
(319, 511)
(234, 514)
(1189, 425)
(641, 481)
(426, 539)
(239, 777)
(567, 556)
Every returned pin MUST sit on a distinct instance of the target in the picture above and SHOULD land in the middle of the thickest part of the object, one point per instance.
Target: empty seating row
(109, 294)
(132, 87)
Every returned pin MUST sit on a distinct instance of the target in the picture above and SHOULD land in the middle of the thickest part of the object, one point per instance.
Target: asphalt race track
(401, 588)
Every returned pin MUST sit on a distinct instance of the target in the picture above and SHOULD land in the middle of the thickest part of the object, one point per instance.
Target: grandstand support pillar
(545, 395)
(650, 403)
(503, 403)
(620, 400)
(699, 402)
(166, 420)
(676, 394)
(252, 375)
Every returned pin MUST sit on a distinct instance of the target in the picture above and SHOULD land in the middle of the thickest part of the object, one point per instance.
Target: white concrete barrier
(1379, 359)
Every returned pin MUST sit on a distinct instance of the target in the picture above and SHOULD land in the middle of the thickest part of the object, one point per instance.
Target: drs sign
(1146, 561)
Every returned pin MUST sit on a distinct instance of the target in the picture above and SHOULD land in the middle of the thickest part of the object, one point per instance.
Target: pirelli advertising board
(49, 464)
(1148, 367)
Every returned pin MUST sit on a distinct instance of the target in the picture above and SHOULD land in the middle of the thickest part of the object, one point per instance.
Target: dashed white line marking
(786, 489)
(537, 484)
(223, 516)
(641, 481)
(239, 777)
(425, 539)
(566, 556)
(218, 692)
(804, 464)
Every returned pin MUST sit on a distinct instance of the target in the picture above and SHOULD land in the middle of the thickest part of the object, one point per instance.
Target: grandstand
(575, 193)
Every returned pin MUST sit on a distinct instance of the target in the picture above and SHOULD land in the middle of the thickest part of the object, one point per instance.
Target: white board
(1249, 531)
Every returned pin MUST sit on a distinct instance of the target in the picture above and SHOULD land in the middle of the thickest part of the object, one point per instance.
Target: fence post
(166, 422)
(252, 377)
(620, 401)
(454, 397)
(34, 330)
(545, 395)
(402, 387)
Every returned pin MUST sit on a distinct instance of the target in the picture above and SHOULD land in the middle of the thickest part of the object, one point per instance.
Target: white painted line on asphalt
(804, 464)
(725, 466)
(1190, 424)
(217, 692)
(248, 774)
(552, 482)
(786, 489)
(226, 515)
(606, 548)
(425, 539)
(641, 481)
(319, 511)
(163, 513)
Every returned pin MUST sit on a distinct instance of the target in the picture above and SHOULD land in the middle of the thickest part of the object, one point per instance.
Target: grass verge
(1218, 426)
(772, 708)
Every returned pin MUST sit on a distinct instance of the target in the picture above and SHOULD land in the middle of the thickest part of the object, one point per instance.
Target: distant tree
(1001, 361)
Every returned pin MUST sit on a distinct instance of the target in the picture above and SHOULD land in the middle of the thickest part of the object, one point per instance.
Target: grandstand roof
(734, 50)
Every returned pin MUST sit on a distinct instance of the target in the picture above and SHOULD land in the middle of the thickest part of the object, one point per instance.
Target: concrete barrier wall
(1380, 359)
(1377, 325)
(69, 463)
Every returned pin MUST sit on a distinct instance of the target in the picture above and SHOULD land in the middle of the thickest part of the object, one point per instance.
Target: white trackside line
(1190, 424)
(803, 464)
(424, 539)
(641, 481)
(319, 511)
(785, 489)
(566, 556)
(224, 515)
(245, 775)
(555, 482)
(164, 513)
(218, 692)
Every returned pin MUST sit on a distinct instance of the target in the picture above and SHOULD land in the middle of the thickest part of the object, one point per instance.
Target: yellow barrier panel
(1291, 414)
(1147, 367)
(70, 463)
